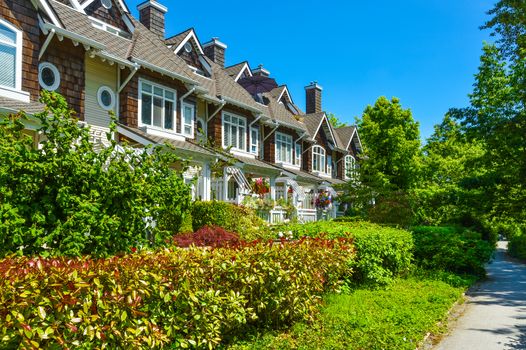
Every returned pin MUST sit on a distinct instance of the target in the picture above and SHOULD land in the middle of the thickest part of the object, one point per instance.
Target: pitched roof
(282, 114)
(313, 121)
(345, 134)
(184, 146)
(144, 45)
(254, 163)
(236, 69)
(177, 39)
(15, 106)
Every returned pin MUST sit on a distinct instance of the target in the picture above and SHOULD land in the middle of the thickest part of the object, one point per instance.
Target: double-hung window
(157, 106)
(297, 154)
(254, 140)
(188, 119)
(350, 167)
(234, 131)
(11, 62)
(283, 148)
(318, 159)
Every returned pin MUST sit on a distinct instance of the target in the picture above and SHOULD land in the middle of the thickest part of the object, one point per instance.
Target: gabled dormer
(239, 71)
(186, 45)
(283, 96)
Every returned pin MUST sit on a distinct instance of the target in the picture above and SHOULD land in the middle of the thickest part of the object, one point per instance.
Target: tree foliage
(335, 121)
(67, 197)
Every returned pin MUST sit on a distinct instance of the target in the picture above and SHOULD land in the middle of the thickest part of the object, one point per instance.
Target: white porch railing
(274, 216)
(307, 215)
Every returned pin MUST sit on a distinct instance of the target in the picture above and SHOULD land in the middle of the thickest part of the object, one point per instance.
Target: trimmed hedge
(517, 245)
(231, 217)
(382, 253)
(181, 298)
(451, 248)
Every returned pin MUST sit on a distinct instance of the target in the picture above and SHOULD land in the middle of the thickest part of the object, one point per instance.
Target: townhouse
(234, 124)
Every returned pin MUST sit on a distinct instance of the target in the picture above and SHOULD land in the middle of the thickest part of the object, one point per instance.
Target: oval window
(107, 4)
(106, 98)
(48, 76)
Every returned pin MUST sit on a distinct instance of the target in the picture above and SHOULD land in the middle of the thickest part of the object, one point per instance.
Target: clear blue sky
(424, 52)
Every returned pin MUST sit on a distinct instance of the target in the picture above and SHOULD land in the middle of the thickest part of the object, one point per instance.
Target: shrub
(517, 245)
(185, 297)
(451, 249)
(238, 219)
(207, 236)
(67, 197)
(381, 252)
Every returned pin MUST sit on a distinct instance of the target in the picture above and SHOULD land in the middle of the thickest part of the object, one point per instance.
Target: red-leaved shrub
(207, 236)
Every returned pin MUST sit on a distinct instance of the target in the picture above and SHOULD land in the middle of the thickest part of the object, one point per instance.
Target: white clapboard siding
(98, 73)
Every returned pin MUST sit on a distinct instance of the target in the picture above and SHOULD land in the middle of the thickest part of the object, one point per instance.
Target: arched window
(11, 62)
(318, 159)
(350, 167)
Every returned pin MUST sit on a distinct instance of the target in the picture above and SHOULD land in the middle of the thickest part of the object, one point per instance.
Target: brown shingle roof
(14, 106)
(185, 146)
(234, 70)
(312, 122)
(282, 114)
(345, 133)
(178, 38)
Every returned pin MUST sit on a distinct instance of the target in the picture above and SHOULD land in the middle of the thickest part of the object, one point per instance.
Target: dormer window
(318, 159)
(11, 58)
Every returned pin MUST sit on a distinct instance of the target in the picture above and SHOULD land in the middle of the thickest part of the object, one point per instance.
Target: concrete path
(495, 316)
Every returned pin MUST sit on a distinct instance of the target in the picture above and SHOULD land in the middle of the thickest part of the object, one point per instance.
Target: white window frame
(322, 154)
(55, 71)
(287, 141)
(238, 126)
(113, 98)
(298, 155)
(346, 167)
(161, 128)
(254, 141)
(183, 121)
(16, 91)
(329, 164)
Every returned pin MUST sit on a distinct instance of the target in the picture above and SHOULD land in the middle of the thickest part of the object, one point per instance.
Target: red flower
(133, 249)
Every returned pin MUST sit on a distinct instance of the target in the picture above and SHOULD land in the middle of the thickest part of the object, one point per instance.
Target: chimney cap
(313, 85)
(260, 69)
(215, 41)
(152, 3)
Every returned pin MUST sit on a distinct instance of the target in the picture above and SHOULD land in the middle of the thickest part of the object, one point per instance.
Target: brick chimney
(215, 50)
(151, 14)
(260, 71)
(313, 97)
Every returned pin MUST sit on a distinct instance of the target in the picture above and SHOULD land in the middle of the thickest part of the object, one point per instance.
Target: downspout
(46, 43)
(135, 70)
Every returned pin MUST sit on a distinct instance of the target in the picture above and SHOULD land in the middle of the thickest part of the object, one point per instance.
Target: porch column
(207, 184)
(273, 188)
(225, 186)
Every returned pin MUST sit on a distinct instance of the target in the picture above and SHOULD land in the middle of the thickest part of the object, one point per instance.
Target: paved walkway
(495, 316)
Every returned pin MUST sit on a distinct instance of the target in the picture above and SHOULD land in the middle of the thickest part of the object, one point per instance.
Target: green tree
(335, 121)
(67, 197)
(390, 164)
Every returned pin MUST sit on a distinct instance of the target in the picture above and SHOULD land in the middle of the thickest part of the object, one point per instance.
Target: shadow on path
(495, 316)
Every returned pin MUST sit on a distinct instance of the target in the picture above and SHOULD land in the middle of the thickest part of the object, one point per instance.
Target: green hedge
(451, 248)
(238, 219)
(382, 252)
(517, 244)
(181, 298)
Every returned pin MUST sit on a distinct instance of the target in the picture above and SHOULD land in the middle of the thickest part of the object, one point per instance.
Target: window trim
(323, 155)
(54, 69)
(298, 157)
(101, 89)
(139, 112)
(183, 124)
(223, 130)
(289, 138)
(16, 91)
(346, 172)
(328, 166)
(256, 129)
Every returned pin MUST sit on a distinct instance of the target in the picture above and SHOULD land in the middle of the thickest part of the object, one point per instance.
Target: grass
(395, 317)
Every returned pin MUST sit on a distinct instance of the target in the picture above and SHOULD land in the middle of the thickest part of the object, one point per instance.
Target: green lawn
(395, 317)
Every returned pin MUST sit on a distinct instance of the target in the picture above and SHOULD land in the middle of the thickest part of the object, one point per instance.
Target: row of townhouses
(174, 90)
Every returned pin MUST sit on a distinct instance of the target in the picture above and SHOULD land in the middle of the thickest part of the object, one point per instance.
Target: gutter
(87, 42)
(163, 71)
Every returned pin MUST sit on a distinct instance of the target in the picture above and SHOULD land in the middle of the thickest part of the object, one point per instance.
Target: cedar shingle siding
(22, 15)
